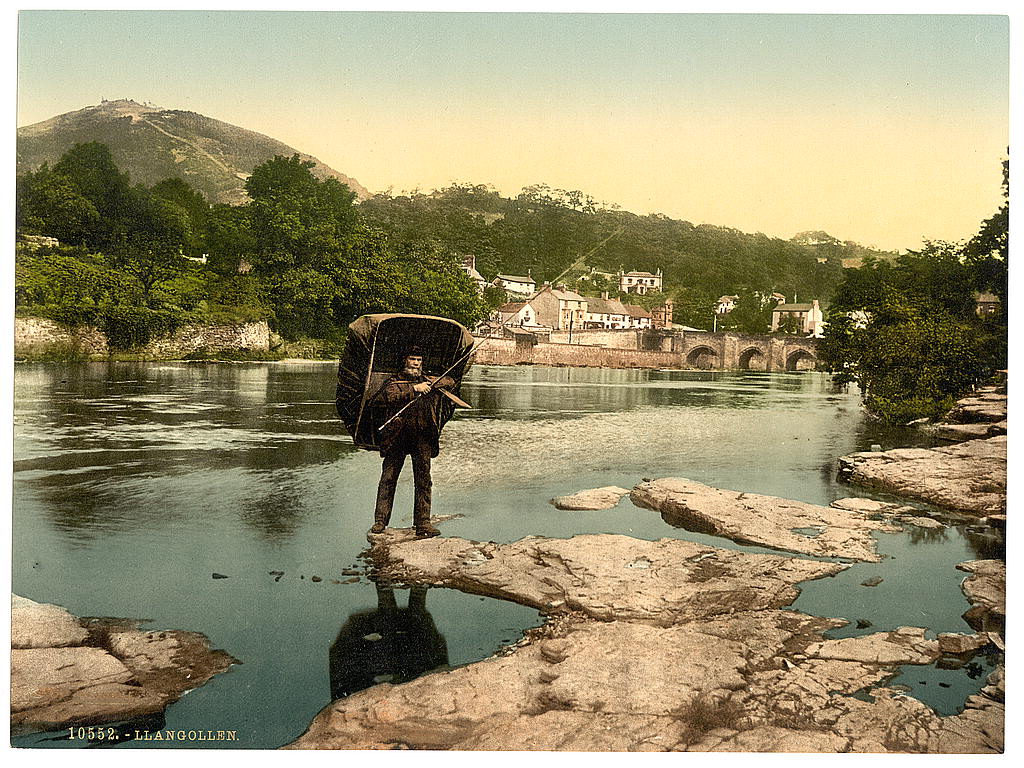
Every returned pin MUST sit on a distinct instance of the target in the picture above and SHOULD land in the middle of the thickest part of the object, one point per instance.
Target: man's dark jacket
(420, 421)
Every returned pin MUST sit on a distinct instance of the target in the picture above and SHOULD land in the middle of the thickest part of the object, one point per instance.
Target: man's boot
(421, 521)
(426, 530)
(380, 521)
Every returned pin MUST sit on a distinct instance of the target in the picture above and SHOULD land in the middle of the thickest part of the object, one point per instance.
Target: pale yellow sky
(879, 129)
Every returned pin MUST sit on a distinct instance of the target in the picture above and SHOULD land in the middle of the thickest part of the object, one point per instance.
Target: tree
(91, 170)
(177, 196)
(48, 203)
(149, 240)
(751, 314)
(907, 334)
(296, 218)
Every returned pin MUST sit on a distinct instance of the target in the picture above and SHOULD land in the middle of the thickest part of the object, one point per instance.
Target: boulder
(41, 625)
(123, 672)
(968, 477)
(985, 589)
(955, 643)
(596, 498)
(750, 518)
(988, 407)
(922, 522)
(607, 577)
(906, 645)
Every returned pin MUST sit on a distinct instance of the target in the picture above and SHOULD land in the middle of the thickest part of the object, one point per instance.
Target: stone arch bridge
(736, 351)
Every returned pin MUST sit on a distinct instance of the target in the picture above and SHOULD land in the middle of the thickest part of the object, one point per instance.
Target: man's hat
(413, 351)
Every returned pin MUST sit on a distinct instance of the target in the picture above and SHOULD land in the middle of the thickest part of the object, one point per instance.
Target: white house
(517, 313)
(606, 313)
(516, 284)
(638, 316)
(809, 319)
(639, 282)
(725, 304)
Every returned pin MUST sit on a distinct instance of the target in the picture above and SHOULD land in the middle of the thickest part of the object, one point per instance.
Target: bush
(133, 327)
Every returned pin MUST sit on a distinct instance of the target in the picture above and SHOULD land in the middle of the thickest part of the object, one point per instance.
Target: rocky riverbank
(655, 645)
(71, 671)
(673, 645)
(968, 476)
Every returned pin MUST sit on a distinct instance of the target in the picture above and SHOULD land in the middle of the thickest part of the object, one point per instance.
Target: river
(134, 483)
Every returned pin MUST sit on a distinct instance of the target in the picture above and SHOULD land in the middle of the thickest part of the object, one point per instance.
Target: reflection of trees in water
(277, 513)
(109, 445)
(920, 535)
(389, 644)
(985, 543)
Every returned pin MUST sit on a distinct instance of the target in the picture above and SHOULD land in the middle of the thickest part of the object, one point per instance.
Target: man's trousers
(394, 459)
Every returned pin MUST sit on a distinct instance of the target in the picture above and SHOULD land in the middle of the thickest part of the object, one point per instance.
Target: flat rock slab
(607, 577)
(906, 645)
(596, 498)
(960, 432)
(750, 518)
(723, 684)
(968, 477)
(122, 673)
(985, 589)
(987, 407)
(40, 625)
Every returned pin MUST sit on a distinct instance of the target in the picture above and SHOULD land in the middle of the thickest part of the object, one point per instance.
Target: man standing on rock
(412, 404)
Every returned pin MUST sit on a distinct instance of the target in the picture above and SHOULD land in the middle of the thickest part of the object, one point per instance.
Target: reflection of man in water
(390, 644)
(414, 433)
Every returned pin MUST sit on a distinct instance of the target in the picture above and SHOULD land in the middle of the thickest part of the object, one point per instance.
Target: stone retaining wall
(37, 337)
(628, 338)
(509, 352)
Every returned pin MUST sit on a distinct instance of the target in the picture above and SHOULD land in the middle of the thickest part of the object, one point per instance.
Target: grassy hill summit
(152, 143)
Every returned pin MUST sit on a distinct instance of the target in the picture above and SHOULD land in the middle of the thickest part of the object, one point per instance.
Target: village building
(661, 317)
(725, 304)
(809, 320)
(517, 313)
(640, 282)
(559, 308)
(524, 286)
(469, 267)
(986, 304)
(638, 316)
(606, 313)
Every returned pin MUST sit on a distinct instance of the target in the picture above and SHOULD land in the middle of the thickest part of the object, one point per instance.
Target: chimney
(604, 295)
(561, 286)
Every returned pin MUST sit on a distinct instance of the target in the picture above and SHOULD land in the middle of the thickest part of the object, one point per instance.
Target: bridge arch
(702, 356)
(800, 360)
(752, 359)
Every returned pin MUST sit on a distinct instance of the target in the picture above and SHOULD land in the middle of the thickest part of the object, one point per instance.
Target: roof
(986, 297)
(515, 278)
(726, 299)
(606, 307)
(473, 274)
(511, 307)
(636, 311)
(793, 308)
(640, 274)
(567, 295)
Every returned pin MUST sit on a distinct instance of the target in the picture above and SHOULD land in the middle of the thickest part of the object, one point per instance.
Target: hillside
(152, 144)
(558, 235)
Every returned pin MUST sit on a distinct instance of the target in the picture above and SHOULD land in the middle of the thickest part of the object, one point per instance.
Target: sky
(885, 130)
